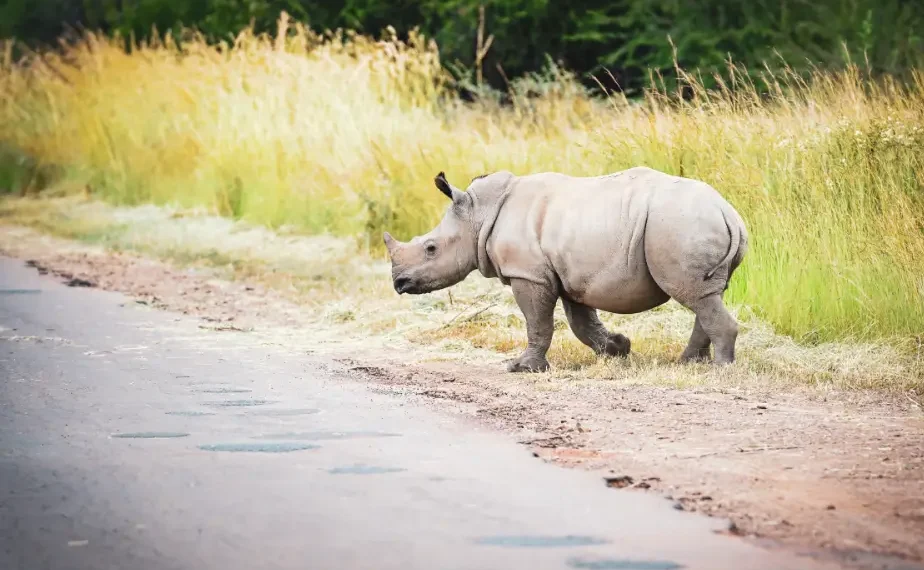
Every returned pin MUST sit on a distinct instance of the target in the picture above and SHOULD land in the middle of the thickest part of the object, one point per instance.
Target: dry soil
(842, 471)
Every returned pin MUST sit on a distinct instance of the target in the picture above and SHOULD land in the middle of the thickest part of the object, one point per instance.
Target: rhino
(623, 243)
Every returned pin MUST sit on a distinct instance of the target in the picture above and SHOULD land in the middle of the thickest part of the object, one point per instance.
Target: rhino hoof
(528, 364)
(618, 345)
(696, 356)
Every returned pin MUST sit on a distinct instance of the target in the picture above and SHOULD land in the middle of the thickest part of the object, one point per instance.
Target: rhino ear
(448, 189)
(443, 185)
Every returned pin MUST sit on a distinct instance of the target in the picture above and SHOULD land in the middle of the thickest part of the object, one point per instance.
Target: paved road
(131, 439)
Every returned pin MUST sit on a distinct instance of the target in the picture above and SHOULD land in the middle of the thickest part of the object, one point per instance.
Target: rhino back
(591, 233)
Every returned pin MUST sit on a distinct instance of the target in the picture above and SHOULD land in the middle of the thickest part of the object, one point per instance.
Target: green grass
(330, 136)
(348, 300)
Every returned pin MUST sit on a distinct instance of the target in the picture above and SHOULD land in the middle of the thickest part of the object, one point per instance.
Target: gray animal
(623, 243)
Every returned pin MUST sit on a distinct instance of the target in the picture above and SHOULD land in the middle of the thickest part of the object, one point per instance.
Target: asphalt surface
(131, 438)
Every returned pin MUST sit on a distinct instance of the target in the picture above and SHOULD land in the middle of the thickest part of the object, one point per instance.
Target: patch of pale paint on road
(238, 403)
(150, 435)
(285, 412)
(322, 435)
(253, 447)
(364, 470)
(617, 564)
(528, 541)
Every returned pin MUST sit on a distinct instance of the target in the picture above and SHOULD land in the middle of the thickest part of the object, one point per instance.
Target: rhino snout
(404, 285)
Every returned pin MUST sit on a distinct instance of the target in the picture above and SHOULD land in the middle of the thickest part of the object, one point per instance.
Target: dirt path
(840, 471)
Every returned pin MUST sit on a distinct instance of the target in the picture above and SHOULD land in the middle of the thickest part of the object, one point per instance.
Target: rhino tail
(734, 233)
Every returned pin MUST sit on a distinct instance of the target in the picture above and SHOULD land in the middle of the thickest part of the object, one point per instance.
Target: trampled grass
(348, 299)
(343, 134)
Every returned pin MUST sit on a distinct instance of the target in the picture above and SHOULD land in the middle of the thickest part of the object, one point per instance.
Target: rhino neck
(488, 204)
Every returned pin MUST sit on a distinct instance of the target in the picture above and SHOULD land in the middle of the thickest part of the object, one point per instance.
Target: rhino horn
(390, 242)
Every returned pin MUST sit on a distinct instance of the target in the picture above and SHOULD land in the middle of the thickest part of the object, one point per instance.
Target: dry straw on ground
(349, 295)
(341, 135)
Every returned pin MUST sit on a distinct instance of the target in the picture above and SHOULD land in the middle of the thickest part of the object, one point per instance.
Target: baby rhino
(623, 243)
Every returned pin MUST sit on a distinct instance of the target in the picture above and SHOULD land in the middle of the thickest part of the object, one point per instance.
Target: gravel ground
(842, 471)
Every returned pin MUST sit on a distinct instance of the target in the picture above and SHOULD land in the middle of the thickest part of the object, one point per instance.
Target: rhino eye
(431, 250)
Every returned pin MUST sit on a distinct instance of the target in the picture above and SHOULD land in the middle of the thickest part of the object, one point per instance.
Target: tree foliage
(613, 40)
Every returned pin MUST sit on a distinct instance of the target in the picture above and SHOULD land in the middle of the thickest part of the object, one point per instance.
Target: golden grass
(342, 135)
(350, 297)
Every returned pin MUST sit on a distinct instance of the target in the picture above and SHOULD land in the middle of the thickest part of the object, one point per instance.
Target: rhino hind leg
(698, 346)
(718, 325)
(587, 327)
(537, 302)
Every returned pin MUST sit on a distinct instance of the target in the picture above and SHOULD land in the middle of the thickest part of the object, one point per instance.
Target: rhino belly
(617, 290)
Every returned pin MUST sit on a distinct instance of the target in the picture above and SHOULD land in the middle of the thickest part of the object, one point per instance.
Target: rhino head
(442, 257)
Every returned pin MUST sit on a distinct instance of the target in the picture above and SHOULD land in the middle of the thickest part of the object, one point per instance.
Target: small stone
(830, 507)
(78, 282)
(618, 482)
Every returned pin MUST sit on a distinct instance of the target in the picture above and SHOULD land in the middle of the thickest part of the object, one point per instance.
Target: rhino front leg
(537, 302)
(587, 327)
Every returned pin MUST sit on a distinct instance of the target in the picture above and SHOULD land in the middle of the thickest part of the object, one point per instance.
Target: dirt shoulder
(842, 471)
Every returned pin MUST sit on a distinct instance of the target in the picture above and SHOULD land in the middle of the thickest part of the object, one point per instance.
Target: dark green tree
(621, 39)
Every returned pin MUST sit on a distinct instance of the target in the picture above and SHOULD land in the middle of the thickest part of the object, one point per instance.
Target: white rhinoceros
(623, 243)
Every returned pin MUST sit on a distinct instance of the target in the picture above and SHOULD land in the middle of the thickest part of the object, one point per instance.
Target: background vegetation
(342, 133)
(625, 37)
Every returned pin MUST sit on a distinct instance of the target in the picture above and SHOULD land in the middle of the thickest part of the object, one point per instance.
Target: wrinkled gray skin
(623, 243)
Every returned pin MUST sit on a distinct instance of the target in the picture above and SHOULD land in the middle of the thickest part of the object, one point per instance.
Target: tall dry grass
(343, 134)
